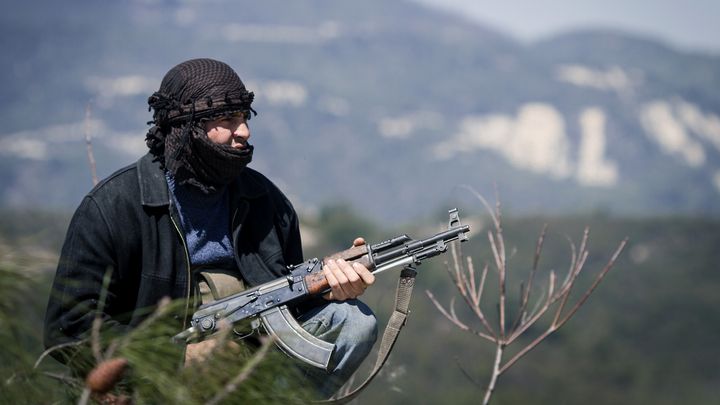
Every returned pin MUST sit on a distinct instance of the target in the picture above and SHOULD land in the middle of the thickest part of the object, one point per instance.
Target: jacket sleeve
(87, 256)
(293, 244)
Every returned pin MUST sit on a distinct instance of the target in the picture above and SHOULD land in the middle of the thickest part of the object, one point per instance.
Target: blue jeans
(352, 327)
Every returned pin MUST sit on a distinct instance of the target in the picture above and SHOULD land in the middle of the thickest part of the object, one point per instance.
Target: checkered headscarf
(190, 94)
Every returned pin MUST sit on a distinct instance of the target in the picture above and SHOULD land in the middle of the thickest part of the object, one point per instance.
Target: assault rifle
(269, 302)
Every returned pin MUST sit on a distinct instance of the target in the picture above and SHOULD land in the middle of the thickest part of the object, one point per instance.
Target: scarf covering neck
(200, 162)
(190, 94)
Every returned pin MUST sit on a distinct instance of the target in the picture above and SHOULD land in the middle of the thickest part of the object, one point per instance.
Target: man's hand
(347, 280)
(199, 352)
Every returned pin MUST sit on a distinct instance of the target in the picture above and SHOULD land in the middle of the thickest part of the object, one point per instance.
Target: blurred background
(375, 116)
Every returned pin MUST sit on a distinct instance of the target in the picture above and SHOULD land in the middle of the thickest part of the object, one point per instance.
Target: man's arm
(87, 254)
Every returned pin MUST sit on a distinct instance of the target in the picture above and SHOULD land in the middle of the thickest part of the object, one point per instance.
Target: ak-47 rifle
(269, 302)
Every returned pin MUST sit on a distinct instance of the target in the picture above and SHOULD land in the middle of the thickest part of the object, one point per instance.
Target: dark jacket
(128, 226)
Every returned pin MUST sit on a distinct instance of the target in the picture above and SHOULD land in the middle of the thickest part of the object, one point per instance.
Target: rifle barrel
(409, 248)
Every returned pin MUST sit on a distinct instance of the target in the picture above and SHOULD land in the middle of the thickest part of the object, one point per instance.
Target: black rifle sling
(392, 331)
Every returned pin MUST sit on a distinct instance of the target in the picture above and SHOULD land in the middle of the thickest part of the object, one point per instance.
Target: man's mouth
(240, 145)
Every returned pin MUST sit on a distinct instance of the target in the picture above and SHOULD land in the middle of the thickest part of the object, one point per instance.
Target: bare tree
(504, 333)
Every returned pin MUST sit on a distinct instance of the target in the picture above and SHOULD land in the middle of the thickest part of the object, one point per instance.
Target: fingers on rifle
(347, 280)
(329, 275)
(359, 241)
(355, 285)
(336, 278)
(367, 277)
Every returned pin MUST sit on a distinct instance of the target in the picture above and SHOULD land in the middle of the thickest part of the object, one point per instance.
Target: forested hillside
(647, 335)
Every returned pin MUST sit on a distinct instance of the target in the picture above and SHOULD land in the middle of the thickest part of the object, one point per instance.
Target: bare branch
(496, 371)
(57, 347)
(500, 267)
(98, 320)
(472, 298)
(95, 338)
(581, 256)
(466, 374)
(452, 317)
(476, 307)
(558, 324)
(456, 272)
(597, 281)
(481, 287)
(449, 315)
(537, 314)
(66, 379)
(84, 397)
(88, 143)
(496, 254)
(526, 349)
(476, 294)
(557, 298)
(522, 311)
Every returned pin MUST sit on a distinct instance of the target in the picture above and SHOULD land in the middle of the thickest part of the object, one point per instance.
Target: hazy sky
(693, 24)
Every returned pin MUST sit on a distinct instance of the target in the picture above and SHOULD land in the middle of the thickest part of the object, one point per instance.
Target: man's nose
(242, 131)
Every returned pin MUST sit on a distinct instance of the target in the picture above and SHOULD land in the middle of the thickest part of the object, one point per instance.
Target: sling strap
(214, 284)
(392, 331)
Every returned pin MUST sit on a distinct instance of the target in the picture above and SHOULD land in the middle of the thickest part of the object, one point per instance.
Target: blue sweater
(205, 220)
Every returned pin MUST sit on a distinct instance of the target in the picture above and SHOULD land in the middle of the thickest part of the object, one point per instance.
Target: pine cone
(105, 375)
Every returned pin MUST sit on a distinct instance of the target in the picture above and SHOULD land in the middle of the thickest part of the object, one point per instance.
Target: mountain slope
(387, 105)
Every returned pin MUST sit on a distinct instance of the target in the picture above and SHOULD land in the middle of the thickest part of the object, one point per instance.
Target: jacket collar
(154, 189)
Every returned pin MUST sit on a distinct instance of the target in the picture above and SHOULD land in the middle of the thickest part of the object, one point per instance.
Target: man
(190, 213)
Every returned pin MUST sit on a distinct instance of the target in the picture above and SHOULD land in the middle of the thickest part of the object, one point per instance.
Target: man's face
(231, 130)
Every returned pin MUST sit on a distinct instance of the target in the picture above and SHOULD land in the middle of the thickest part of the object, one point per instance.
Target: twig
(527, 348)
(63, 378)
(597, 281)
(85, 397)
(466, 374)
(98, 320)
(88, 143)
(57, 347)
(474, 302)
(162, 308)
(454, 319)
(560, 321)
(522, 311)
(495, 373)
(246, 371)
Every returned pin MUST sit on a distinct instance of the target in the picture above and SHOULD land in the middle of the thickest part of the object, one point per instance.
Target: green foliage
(20, 317)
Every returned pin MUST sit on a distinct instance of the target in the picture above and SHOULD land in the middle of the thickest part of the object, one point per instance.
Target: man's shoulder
(254, 183)
(123, 177)
(122, 184)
